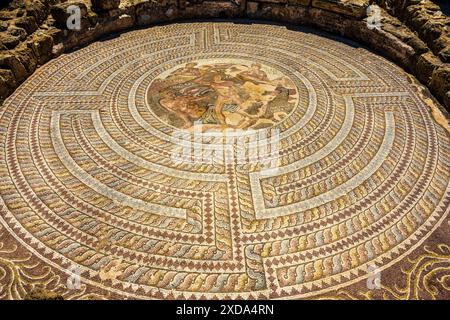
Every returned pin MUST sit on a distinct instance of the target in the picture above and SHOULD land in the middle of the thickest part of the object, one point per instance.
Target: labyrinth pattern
(88, 185)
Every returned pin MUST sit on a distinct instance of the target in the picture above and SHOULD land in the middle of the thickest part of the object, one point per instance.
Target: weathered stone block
(17, 32)
(280, 12)
(61, 15)
(328, 21)
(7, 83)
(37, 9)
(418, 45)
(252, 7)
(42, 45)
(401, 33)
(57, 50)
(6, 15)
(300, 2)
(3, 25)
(415, 16)
(27, 57)
(16, 4)
(274, 1)
(212, 9)
(150, 13)
(441, 43)
(440, 82)
(382, 41)
(27, 23)
(447, 101)
(445, 54)
(105, 5)
(404, 34)
(432, 30)
(10, 61)
(8, 40)
(56, 34)
(426, 65)
(122, 22)
(352, 8)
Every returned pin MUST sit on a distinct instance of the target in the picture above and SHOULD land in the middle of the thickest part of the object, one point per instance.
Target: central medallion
(222, 93)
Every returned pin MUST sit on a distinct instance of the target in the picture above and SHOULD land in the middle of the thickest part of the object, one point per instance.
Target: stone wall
(430, 25)
(410, 32)
(426, 19)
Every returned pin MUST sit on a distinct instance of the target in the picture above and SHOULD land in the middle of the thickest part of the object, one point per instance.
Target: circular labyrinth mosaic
(89, 186)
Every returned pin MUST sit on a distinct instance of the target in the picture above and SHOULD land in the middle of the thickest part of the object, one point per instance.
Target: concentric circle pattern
(87, 180)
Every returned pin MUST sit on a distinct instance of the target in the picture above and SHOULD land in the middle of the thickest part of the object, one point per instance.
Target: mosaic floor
(354, 203)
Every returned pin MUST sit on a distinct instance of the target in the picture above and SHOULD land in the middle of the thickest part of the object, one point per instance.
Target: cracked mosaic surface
(87, 181)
